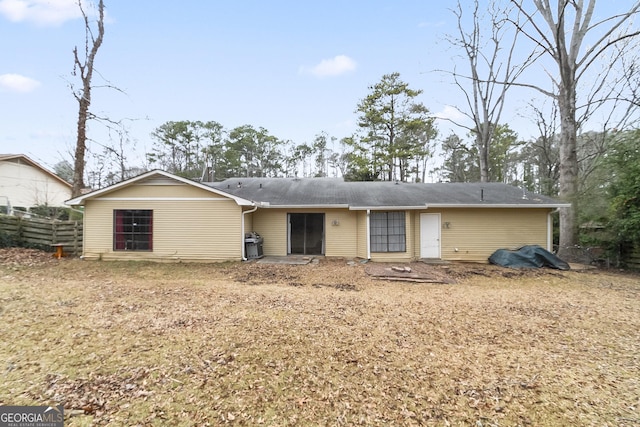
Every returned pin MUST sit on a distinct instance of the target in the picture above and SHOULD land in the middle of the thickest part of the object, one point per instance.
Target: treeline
(396, 138)
(533, 164)
(208, 151)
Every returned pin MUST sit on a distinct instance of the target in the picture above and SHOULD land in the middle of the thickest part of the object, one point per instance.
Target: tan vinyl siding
(186, 230)
(391, 257)
(271, 224)
(341, 239)
(477, 233)
(148, 191)
(415, 224)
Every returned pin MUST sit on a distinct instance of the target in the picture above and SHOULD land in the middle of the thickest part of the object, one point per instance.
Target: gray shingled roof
(326, 192)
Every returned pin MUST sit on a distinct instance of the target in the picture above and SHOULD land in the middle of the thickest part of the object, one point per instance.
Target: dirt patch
(333, 273)
(419, 272)
(411, 272)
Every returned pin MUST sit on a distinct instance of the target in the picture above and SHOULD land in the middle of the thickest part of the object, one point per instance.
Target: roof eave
(500, 205)
(268, 205)
(386, 208)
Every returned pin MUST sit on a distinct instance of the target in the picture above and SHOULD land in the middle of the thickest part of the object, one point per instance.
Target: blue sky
(296, 68)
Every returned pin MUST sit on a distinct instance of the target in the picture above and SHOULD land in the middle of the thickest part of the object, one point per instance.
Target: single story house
(160, 216)
(24, 183)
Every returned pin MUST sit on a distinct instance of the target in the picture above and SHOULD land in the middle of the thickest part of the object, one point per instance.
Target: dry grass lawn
(125, 344)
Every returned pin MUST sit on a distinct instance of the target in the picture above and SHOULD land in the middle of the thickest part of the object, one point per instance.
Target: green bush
(624, 189)
(52, 212)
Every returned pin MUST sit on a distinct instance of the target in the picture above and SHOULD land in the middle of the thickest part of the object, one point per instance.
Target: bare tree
(540, 156)
(84, 67)
(562, 36)
(489, 51)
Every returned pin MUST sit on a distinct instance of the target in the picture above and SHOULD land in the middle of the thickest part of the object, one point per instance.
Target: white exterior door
(429, 235)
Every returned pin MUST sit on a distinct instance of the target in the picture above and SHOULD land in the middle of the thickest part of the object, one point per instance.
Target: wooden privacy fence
(632, 259)
(30, 232)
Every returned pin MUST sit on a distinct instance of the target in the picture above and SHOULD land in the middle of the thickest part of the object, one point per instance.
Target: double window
(132, 230)
(388, 231)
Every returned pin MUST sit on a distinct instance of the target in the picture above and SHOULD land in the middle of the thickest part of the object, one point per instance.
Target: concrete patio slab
(291, 259)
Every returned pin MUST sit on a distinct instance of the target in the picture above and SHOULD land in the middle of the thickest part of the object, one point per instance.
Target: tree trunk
(85, 70)
(483, 154)
(563, 42)
(392, 146)
(568, 182)
(81, 143)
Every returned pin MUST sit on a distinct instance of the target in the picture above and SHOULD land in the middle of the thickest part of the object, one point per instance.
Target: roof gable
(154, 178)
(22, 159)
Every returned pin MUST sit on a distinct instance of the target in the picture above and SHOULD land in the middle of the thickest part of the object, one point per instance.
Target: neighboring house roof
(21, 158)
(150, 175)
(335, 192)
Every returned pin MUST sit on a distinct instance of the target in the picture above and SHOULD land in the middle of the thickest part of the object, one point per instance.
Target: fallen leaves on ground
(25, 257)
(320, 344)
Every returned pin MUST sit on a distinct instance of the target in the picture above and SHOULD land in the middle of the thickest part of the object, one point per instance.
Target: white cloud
(450, 113)
(335, 66)
(40, 12)
(17, 83)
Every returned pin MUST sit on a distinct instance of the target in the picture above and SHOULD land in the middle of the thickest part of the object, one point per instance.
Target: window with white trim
(388, 231)
(132, 230)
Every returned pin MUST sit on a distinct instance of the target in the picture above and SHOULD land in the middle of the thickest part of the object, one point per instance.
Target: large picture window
(388, 232)
(132, 230)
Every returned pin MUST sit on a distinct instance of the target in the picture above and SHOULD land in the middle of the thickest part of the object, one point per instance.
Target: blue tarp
(531, 256)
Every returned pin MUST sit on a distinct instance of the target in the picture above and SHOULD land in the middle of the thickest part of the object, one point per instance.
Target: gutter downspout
(255, 208)
(368, 234)
(550, 229)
